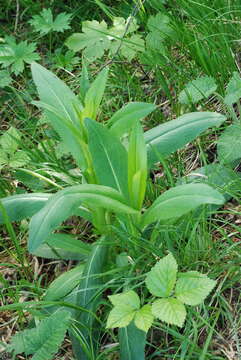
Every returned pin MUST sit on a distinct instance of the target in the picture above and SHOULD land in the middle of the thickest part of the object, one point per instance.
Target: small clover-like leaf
(233, 91)
(144, 318)
(161, 279)
(171, 311)
(129, 298)
(197, 90)
(193, 287)
(120, 316)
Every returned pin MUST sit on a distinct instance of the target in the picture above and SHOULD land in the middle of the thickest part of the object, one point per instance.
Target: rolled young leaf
(180, 200)
(166, 138)
(64, 204)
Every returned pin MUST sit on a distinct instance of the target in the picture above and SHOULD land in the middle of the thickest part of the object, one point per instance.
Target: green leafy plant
(96, 38)
(197, 90)
(115, 159)
(65, 60)
(10, 155)
(5, 78)
(44, 23)
(14, 56)
(175, 289)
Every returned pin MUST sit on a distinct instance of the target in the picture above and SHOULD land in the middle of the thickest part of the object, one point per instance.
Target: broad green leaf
(19, 207)
(132, 343)
(180, 200)
(63, 246)
(197, 90)
(120, 316)
(229, 144)
(61, 103)
(9, 141)
(129, 298)
(161, 279)
(137, 166)
(19, 159)
(171, 311)
(128, 47)
(109, 157)
(93, 39)
(144, 318)
(233, 91)
(193, 287)
(64, 204)
(88, 297)
(166, 138)
(94, 95)
(64, 284)
(5, 78)
(44, 340)
(123, 120)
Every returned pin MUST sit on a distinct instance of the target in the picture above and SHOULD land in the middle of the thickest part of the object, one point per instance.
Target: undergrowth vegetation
(120, 180)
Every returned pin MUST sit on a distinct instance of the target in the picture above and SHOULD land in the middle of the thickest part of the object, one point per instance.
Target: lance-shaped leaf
(20, 206)
(64, 204)
(132, 343)
(180, 200)
(161, 279)
(60, 103)
(170, 310)
(193, 287)
(64, 284)
(166, 138)
(109, 157)
(137, 166)
(123, 120)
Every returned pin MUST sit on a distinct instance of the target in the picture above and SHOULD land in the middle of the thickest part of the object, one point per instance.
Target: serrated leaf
(160, 29)
(171, 311)
(93, 39)
(9, 141)
(120, 316)
(5, 78)
(44, 22)
(193, 287)
(229, 144)
(144, 318)
(233, 91)
(161, 279)
(129, 47)
(197, 90)
(19, 159)
(44, 340)
(16, 55)
(129, 298)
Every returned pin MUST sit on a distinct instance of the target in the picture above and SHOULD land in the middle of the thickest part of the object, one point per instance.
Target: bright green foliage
(192, 287)
(161, 279)
(175, 289)
(14, 56)
(171, 311)
(233, 91)
(96, 38)
(5, 78)
(10, 155)
(126, 308)
(65, 60)
(198, 89)
(229, 144)
(160, 29)
(44, 22)
(43, 341)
